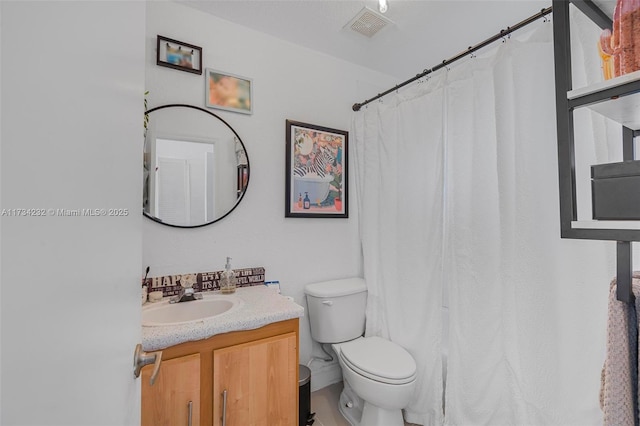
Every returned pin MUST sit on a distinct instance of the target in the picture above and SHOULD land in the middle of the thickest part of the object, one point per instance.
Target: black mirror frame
(155, 219)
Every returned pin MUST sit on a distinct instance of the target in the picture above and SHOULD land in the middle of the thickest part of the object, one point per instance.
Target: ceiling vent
(368, 22)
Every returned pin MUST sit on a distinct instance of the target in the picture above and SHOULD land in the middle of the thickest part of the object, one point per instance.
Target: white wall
(290, 82)
(72, 103)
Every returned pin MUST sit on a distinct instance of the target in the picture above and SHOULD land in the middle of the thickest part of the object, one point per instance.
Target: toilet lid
(379, 359)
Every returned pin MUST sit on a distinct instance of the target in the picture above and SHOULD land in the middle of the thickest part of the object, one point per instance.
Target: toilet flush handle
(327, 302)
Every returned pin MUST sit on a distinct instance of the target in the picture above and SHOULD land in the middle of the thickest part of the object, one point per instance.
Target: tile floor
(324, 402)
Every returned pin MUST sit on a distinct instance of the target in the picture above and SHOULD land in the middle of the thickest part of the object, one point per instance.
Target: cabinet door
(174, 398)
(260, 380)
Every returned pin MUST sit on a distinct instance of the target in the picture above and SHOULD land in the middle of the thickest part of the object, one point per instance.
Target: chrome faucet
(186, 294)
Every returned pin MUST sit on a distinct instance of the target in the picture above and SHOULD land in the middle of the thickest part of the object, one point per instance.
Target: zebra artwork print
(317, 164)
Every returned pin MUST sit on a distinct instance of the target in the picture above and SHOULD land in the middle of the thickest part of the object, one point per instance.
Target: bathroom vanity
(239, 368)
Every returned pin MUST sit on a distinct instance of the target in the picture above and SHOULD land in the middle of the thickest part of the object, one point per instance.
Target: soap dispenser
(228, 281)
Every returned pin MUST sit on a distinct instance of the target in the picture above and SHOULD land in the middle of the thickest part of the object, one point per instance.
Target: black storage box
(615, 191)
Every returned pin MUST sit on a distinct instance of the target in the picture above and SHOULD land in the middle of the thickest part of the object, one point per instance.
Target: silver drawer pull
(190, 413)
(224, 408)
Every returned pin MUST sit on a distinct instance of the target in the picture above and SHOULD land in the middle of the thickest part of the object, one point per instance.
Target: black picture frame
(178, 55)
(316, 171)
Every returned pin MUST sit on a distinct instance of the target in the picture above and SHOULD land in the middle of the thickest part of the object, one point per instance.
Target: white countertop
(262, 306)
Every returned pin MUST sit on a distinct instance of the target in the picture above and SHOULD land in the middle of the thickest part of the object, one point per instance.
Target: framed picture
(229, 91)
(316, 180)
(178, 55)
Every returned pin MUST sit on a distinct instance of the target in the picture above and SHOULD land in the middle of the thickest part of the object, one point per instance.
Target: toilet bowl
(379, 377)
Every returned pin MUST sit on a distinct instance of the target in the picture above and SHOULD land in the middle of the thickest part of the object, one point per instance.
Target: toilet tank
(337, 309)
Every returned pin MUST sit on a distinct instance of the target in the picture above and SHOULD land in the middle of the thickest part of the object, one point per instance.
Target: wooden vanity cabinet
(174, 398)
(252, 383)
(258, 369)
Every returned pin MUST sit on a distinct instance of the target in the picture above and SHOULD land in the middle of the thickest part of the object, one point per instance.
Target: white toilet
(379, 375)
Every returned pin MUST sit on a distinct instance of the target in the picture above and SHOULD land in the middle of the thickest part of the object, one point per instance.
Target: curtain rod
(470, 50)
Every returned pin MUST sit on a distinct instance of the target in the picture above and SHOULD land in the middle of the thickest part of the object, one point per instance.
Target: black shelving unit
(618, 99)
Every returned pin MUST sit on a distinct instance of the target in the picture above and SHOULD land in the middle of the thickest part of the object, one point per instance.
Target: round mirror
(196, 168)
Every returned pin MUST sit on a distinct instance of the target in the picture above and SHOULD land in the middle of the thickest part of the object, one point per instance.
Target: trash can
(304, 396)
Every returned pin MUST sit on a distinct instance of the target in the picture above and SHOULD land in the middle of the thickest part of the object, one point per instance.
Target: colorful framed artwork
(229, 92)
(316, 171)
(178, 55)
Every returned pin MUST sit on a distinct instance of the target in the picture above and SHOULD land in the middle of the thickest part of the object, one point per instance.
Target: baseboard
(324, 374)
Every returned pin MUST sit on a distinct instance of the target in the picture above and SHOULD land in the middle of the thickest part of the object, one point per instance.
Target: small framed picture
(178, 55)
(316, 175)
(229, 92)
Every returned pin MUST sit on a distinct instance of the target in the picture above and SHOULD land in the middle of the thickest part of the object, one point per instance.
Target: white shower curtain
(399, 167)
(458, 195)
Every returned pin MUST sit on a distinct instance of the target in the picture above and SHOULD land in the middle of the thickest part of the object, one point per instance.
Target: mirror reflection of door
(196, 168)
(184, 182)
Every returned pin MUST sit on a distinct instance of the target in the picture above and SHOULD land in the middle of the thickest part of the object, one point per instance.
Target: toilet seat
(379, 359)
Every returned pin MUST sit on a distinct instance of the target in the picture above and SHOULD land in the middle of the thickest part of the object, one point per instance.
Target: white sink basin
(210, 306)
